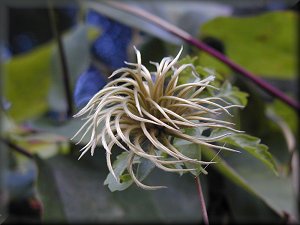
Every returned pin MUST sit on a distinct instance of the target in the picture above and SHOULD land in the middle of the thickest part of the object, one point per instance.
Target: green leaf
(280, 123)
(53, 209)
(77, 189)
(119, 166)
(246, 208)
(276, 191)
(250, 42)
(232, 94)
(246, 172)
(288, 114)
(226, 90)
(226, 170)
(28, 77)
(186, 75)
(71, 191)
(145, 167)
(210, 62)
(27, 80)
(192, 151)
(251, 145)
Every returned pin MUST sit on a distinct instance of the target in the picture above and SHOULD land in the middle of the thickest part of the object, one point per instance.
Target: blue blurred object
(87, 85)
(25, 42)
(98, 20)
(21, 183)
(71, 11)
(5, 53)
(109, 51)
(276, 5)
(111, 46)
(5, 105)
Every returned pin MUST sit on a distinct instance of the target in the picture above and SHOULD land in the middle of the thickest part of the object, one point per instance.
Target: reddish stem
(195, 42)
(16, 148)
(202, 201)
(260, 82)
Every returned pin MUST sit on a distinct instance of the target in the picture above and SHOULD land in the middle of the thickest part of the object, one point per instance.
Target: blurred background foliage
(43, 179)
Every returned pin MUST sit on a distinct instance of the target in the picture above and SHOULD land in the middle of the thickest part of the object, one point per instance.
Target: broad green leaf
(208, 61)
(251, 145)
(53, 208)
(276, 191)
(246, 172)
(27, 80)
(72, 192)
(119, 166)
(226, 170)
(264, 44)
(245, 208)
(79, 191)
(28, 76)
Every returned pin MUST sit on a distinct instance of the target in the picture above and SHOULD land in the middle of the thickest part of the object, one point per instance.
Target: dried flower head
(142, 108)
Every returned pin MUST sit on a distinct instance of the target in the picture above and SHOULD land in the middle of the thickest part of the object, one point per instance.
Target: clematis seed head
(142, 108)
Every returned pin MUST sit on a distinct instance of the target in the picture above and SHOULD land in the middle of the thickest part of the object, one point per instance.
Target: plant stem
(17, 148)
(258, 81)
(202, 201)
(63, 61)
(200, 45)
